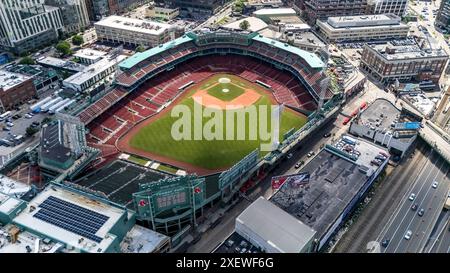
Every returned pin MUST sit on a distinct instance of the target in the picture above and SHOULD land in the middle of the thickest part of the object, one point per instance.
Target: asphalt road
(439, 241)
(431, 200)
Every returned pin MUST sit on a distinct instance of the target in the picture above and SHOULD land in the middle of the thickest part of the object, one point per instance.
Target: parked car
(310, 154)
(326, 135)
(299, 164)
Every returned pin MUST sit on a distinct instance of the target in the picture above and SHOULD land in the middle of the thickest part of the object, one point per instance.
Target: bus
(5, 115)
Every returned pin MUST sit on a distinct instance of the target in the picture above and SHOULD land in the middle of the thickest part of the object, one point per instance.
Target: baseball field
(221, 93)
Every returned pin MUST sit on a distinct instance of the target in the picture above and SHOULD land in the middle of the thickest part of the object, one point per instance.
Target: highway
(431, 200)
(439, 241)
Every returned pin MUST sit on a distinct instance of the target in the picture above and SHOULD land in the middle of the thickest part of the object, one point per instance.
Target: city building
(162, 13)
(252, 5)
(74, 14)
(269, 15)
(363, 28)
(29, 25)
(100, 9)
(262, 222)
(97, 73)
(194, 8)
(89, 56)
(307, 41)
(15, 89)
(322, 9)
(403, 62)
(134, 31)
(385, 125)
(443, 15)
(397, 7)
(42, 76)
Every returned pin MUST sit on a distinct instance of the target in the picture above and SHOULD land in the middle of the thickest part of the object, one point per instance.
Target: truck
(52, 109)
(37, 106)
(45, 107)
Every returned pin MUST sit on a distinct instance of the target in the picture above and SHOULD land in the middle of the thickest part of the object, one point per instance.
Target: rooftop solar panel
(71, 217)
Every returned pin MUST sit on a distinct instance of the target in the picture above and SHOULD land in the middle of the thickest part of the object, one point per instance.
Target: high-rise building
(28, 24)
(443, 16)
(397, 7)
(322, 9)
(74, 13)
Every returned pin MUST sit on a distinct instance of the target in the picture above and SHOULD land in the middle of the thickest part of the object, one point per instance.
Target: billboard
(294, 180)
(170, 194)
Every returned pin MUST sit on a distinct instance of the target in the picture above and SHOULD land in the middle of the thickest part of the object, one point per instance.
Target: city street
(427, 198)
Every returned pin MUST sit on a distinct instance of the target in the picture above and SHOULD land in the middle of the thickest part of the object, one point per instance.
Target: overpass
(438, 139)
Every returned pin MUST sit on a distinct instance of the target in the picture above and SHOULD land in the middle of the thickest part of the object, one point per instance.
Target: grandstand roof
(312, 59)
(141, 56)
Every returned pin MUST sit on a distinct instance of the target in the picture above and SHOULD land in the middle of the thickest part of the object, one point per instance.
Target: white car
(408, 235)
(412, 197)
(434, 185)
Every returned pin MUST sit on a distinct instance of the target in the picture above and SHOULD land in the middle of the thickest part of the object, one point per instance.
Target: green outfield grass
(156, 137)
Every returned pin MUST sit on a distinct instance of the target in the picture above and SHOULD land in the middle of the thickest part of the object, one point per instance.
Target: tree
(77, 40)
(244, 25)
(140, 48)
(27, 60)
(31, 131)
(64, 48)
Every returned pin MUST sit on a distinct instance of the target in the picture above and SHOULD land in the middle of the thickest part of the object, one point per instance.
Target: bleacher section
(119, 181)
(151, 95)
(307, 66)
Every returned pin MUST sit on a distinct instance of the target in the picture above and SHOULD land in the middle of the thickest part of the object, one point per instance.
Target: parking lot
(19, 128)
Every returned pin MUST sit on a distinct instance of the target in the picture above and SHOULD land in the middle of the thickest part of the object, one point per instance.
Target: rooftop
(9, 80)
(235, 243)
(142, 240)
(381, 114)
(256, 24)
(275, 11)
(60, 63)
(49, 201)
(12, 187)
(391, 51)
(94, 69)
(364, 20)
(8, 204)
(335, 180)
(25, 239)
(136, 25)
(275, 226)
(91, 54)
(53, 142)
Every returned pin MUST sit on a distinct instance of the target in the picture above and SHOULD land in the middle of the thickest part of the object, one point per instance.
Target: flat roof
(381, 112)
(10, 79)
(308, 38)
(94, 69)
(8, 204)
(27, 219)
(142, 240)
(235, 243)
(275, 226)
(364, 20)
(25, 239)
(255, 24)
(12, 187)
(132, 24)
(60, 63)
(334, 182)
(91, 54)
(275, 11)
(409, 51)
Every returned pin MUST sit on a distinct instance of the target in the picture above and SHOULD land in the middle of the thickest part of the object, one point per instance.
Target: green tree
(64, 48)
(77, 40)
(244, 25)
(27, 60)
(31, 131)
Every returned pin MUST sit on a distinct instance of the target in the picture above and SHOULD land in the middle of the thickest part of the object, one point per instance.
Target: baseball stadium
(169, 182)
